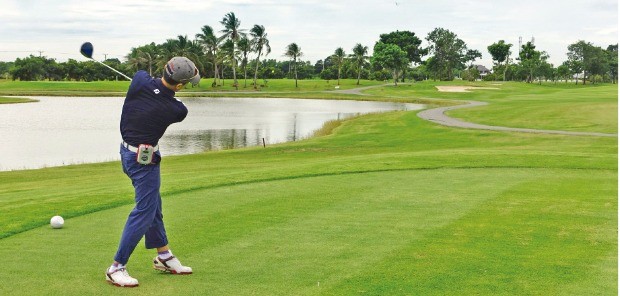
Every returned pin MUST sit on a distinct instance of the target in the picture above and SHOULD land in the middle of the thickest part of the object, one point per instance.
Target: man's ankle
(116, 266)
(164, 254)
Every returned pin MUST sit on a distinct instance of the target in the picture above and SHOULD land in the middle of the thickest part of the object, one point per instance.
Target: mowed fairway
(388, 204)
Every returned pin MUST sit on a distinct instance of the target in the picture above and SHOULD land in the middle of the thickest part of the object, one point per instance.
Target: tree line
(233, 53)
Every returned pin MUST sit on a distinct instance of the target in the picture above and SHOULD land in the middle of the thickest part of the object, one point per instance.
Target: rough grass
(327, 128)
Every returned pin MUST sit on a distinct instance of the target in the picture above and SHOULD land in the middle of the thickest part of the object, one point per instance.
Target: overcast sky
(58, 28)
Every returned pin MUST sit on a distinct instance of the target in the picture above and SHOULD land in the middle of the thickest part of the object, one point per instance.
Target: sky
(56, 29)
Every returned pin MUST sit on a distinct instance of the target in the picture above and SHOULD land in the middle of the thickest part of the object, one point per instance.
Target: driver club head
(87, 50)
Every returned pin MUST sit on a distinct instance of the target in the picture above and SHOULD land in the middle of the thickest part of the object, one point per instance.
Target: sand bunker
(454, 88)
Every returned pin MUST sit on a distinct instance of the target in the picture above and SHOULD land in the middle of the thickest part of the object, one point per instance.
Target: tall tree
(245, 47)
(590, 59)
(231, 31)
(339, 56)
(166, 51)
(211, 45)
(261, 43)
(293, 51)
(500, 53)
(448, 51)
(563, 71)
(143, 57)
(391, 57)
(532, 60)
(612, 58)
(598, 64)
(187, 48)
(543, 69)
(182, 46)
(360, 58)
(471, 55)
(228, 53)
(579, 53)
(408, 42)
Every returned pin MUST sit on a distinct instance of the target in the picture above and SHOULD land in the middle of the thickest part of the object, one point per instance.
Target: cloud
(319, 27)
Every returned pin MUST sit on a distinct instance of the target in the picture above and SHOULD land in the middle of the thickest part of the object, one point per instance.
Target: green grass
(551, 106)
(574, 109)
(287, 85)
(12, 100)
(387, 204)
(9, 87)
(105, 88)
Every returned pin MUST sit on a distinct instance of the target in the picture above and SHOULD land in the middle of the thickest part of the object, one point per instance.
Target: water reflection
(60, 131)
(187, 142)
(277, 128)
(206, 140)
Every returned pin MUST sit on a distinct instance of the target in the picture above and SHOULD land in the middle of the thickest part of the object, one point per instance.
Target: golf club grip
(112, 69)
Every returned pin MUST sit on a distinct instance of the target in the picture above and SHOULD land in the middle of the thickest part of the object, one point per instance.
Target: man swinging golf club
(149, 108)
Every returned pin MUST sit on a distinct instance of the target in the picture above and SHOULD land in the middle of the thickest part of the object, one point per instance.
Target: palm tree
(211, 44)
(227, 54)
(231, 31)
(149, 53)
(182, 46)
(143, 56)
(339, 56)
(190, 49)
(134, 58)
(260, 41)
(166, 51)
(359, 58)
(245, 46)
(293, 51)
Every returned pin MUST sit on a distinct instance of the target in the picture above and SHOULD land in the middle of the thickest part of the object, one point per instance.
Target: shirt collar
(164, 89)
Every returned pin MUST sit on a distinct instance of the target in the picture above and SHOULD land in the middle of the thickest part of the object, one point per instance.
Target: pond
(72, 130)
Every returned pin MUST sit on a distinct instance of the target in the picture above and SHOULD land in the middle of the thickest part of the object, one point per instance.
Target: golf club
(87, 51)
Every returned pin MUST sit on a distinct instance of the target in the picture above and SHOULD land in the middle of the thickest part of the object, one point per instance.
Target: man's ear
(179, 86)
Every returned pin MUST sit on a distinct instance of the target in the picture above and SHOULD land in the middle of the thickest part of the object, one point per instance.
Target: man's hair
(171, 81)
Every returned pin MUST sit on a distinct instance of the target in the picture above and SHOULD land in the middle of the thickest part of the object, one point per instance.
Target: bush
(381, 75)
(327, 74)
(493, 77)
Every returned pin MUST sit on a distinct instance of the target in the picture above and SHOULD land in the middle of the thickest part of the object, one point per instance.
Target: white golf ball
(57, 222)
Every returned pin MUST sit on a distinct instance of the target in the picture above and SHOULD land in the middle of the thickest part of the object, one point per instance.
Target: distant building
(579, 75)
(482, 70)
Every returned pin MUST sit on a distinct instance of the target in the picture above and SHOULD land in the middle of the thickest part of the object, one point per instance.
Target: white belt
(135, 149)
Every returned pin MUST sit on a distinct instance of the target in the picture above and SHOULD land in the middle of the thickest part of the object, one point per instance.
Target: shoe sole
(122, 286)
(163, 269)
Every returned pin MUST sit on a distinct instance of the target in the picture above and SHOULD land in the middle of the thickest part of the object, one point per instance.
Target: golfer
(149, 108)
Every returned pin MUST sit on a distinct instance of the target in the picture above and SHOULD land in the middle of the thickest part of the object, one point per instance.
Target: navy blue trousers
(146, 218)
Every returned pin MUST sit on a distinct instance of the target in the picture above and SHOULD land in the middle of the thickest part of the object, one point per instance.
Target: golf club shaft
(112, 69)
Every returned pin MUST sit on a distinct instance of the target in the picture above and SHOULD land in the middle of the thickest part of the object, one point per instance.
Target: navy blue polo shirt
(149, 108)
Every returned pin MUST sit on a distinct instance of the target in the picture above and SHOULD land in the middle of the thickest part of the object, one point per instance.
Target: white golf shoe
(120, 278)
(171, 265)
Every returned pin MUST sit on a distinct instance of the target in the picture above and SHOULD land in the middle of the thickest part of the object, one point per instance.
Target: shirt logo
(156, 91)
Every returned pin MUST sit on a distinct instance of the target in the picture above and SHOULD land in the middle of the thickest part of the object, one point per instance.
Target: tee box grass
(382, 204)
